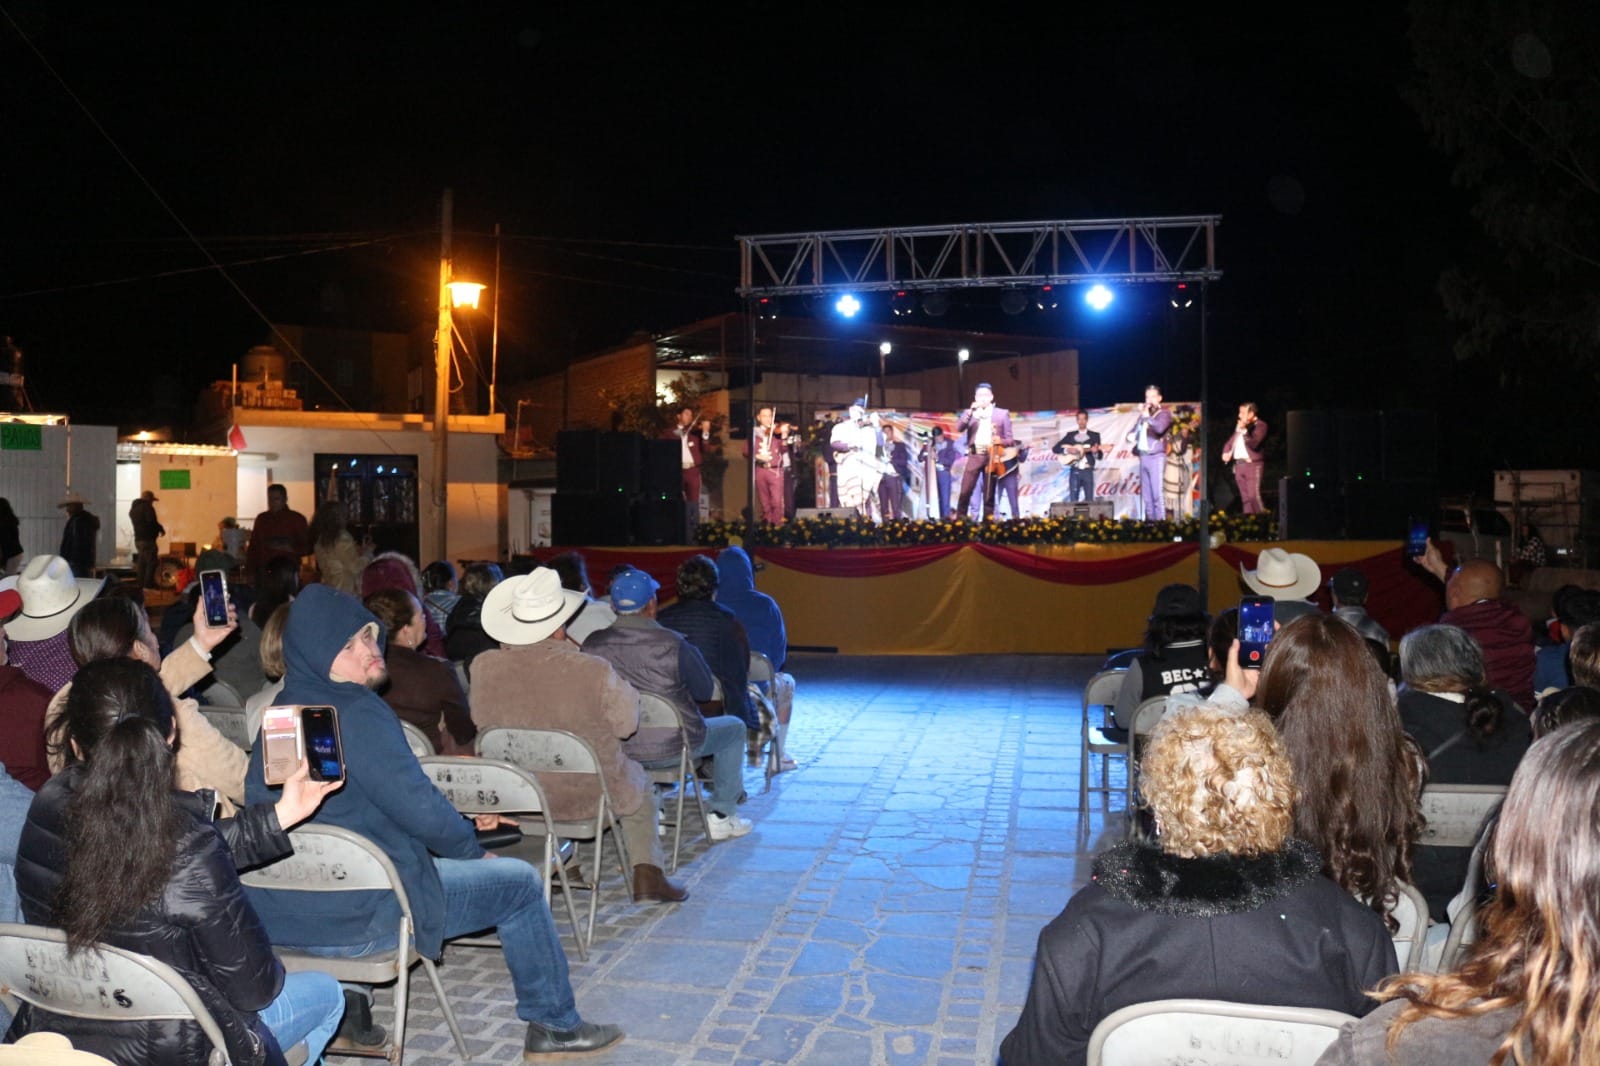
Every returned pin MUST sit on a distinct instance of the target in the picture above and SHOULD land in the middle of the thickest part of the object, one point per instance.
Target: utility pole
(443, 348)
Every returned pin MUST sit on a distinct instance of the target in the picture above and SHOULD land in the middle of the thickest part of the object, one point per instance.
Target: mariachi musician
(987, 432)
(1081, 450)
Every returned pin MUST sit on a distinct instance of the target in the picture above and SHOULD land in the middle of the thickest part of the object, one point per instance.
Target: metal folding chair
(659, 713)
(763, 673)
(231, 722)
(1204, 1030)
(417, 740)
(1101, 691)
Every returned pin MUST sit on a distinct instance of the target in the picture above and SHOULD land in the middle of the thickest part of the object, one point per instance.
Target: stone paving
(884, 910)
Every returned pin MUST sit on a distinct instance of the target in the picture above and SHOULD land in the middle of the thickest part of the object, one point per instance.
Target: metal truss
(980, 255)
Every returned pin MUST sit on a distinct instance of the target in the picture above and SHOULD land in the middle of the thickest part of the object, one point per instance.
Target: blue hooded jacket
(763, 621)
(386, 796)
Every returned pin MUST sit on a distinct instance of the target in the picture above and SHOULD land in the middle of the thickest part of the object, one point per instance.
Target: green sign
(20, 437)
(174, 479)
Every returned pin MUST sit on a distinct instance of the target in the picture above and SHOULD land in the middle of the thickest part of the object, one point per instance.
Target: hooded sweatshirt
(386, 796)
(763, 621)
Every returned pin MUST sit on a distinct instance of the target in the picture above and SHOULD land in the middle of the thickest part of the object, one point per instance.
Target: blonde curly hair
(1219, 783)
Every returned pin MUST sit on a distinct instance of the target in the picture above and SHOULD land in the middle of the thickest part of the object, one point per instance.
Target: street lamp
(961, 374)
(452, 294)
(884, 349)
(464, 294)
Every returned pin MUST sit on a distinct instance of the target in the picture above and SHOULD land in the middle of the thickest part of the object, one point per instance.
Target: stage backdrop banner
(1044, 477)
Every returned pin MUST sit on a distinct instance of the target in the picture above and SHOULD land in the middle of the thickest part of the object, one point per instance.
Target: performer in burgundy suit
(1148, 438)
(986, 428)
(769, 445)
(692, 438)
(1243, 450)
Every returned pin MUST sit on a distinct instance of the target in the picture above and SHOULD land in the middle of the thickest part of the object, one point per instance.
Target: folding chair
(659, 713)
(763, 673)
(1411, 911)
(1101, 691)
(416, 740)
(1455, 814)
(555, 751)
(489, 786)
(1205, 1030)
(330, 859)
(230, 722)
(102, 984)
(1145, 717)
(1447, 946)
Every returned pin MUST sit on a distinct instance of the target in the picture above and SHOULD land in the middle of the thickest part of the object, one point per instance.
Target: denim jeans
(504, 894)
(308, 1009)
(725, 740)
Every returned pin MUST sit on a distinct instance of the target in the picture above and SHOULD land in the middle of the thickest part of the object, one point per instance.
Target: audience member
(763, 625)
(655, 659)
(1173, 660)
(80, 537)
(1225, 904)
(1472, 601)
(715, 632)
(464, 637)
(1527, 991)
(277, 584)
(1574, 608)
(1576, 703)
(594, 614)
(581, 694)
(22, 709)
(277, 533)
(332, 647)
(272, 668)
(232, 539)
(1290, 578)
(15, 799)
(113, 852)
(1471, 734)
(51, 597)
(11, 554)
(439, 586)
(395, 570)
(1358, 785)
(339, 558)
(422, 690)
(118, 628)
(237, 660)
(1348, 590)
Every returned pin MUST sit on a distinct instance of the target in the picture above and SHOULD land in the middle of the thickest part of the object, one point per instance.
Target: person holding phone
(114, 852)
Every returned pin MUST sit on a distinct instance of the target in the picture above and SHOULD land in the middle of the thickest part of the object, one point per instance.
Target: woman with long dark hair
(114, 853)
(1529, 989)
(1358, 786)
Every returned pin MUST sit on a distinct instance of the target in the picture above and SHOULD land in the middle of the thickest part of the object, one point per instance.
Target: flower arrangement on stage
(906, 533)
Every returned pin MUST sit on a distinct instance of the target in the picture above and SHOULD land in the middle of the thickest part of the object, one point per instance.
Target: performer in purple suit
(1148, 444)
(984, 427)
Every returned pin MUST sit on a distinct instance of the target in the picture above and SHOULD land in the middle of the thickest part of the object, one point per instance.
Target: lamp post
(883, 368)
(452, 294)
(961, 374)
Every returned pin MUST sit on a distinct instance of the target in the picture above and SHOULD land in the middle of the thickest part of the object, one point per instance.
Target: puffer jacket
(716, 632)
(201, 925)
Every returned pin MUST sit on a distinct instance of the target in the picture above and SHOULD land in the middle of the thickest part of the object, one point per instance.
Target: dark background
(622, 149)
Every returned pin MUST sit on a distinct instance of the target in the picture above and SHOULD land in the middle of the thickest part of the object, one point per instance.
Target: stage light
(1099, 297)
(903, 304)
(1045, 298)
(1013, 302)
(767, 308)
(847, 305)
(935, 304)
(1182, 296)
(884, 348)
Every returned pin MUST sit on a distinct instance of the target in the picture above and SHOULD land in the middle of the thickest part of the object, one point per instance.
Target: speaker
(1360, 450)
(1313, 445)
(657, 521)
(1309, 508)
(578, 519)
(577, 460)
(661, 473)
(1096, 508)
(1410, 445)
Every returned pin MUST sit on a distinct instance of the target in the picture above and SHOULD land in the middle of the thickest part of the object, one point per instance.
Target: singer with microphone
(1243, 450)
(1148, 438)
(986, 428)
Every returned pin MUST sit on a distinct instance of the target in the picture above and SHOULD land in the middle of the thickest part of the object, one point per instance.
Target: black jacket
(201, 925)
(1269, 929)
(720, 637)
(464, 638)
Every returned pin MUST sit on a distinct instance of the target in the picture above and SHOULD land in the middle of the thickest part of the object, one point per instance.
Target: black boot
(357, 1026)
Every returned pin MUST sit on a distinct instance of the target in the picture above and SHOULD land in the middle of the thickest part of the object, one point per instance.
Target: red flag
(236, 438)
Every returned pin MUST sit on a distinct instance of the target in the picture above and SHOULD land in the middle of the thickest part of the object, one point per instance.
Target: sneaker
(726, 827)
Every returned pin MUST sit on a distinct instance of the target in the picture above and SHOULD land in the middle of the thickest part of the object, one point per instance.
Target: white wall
(34, 483)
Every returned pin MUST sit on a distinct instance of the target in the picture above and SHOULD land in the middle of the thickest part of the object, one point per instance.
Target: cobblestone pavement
(884, 910)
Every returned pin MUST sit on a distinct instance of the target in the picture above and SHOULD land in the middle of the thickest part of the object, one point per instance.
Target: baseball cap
(10, 603)
(1175, 600)
(632, 589)
(1349, 584)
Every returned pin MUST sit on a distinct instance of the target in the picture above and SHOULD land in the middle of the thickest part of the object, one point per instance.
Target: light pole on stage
(1204, 576)
(884, 349)
(961, 374)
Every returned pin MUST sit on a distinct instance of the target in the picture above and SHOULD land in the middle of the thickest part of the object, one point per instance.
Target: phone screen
(321, 726)
(280, 743)
(1255, 630)
(1416, 537)
(214, 590)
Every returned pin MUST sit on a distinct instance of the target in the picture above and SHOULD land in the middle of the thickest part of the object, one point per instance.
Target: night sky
(623, 149)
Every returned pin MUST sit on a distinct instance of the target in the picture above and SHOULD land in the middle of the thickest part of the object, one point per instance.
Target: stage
(978, 599)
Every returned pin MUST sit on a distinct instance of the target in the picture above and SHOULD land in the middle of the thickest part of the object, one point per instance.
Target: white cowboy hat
(50, 597)
(72, 497)
(527, 608)
(1283, 575)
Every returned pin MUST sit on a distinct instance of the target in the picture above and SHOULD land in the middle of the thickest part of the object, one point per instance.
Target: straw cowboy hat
(72, 498)
(1283, 575)
(50, 597)
(527, 608)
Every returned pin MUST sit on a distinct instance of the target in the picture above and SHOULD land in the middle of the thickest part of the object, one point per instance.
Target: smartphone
(214, 591)
(320, 727)
(282, 746)
(1416, 537)
(1255, 630)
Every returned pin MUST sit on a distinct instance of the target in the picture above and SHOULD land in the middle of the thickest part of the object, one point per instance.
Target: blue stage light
(847, 305)
(1099, 297)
